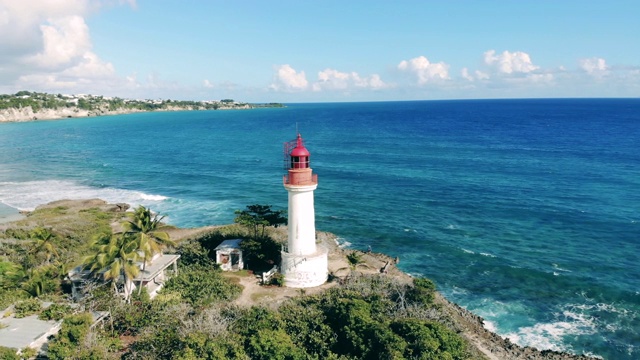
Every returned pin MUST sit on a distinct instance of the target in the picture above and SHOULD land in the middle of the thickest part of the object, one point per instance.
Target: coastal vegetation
(197, 314)
(261, 251)
(26, 105)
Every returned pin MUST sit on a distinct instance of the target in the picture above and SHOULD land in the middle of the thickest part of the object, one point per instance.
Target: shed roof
(231, 244)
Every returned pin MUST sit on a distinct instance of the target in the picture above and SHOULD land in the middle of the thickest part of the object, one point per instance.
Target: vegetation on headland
(196, 315)
(43, 105)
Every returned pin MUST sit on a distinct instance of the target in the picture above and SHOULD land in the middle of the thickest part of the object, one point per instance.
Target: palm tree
(149, 231)
(44, 243)
(354, 259)
(115, 255)
(35, 283)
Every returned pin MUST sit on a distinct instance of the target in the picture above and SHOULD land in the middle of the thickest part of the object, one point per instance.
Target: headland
(29, 106)
(64, 214)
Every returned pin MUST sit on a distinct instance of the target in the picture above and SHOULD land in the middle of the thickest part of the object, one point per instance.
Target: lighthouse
(304, 263)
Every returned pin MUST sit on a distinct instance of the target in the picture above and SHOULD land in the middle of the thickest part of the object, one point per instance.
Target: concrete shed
(229, 255)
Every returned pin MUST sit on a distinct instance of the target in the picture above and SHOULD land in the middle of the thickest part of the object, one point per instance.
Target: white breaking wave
(28, 195)
(342, 243)
(152, 197)
(551, 335)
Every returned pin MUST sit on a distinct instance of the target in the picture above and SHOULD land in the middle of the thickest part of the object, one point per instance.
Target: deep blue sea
(526, 212)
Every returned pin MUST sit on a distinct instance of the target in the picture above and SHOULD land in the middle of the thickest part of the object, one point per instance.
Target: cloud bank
(424, 70)
(49, 48)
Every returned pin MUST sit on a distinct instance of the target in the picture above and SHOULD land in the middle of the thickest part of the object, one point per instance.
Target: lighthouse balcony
(300, 178)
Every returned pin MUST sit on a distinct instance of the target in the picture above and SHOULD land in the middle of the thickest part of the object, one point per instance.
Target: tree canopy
(258, 217)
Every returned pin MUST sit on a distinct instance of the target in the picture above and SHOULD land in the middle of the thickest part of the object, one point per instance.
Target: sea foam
(28, 195)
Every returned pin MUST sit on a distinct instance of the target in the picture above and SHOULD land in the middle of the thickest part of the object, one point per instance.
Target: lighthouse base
(304, 271)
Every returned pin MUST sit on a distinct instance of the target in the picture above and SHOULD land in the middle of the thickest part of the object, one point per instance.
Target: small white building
(229, 255)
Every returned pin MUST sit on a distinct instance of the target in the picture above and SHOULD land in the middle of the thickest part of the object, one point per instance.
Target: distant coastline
(31, 106)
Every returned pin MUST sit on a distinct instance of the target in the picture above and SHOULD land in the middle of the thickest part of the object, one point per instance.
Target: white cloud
(481, 75)
(541, 78)
(465, 74)
(50, 46)
(90, 66)
(424, 70)
(206, 83)
(287, 78)
(477, 75)
(510, 62)
(330, 79)
(65, 40)
(594, 66)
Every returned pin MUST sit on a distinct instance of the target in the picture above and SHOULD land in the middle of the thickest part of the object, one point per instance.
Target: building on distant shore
(304, 263)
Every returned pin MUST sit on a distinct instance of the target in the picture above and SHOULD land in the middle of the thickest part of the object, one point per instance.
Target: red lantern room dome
(299, 150)
(297, 164)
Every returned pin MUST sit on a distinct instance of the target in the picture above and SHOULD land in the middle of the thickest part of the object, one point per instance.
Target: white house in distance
(153, 277)
(304, 263)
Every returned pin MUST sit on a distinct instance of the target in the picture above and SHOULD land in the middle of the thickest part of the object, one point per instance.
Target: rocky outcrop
(491, 345)
(27, 113)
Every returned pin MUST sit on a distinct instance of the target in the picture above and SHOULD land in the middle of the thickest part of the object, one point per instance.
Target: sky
(321, 51)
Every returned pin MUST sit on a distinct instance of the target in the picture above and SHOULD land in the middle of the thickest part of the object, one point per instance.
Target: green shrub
(429, 340)
(55, 312)
(141, 295)
(204, 346)
(354, 259)
(270, 344)
(73, 332)
(277, 279)
(8, 353)
(423, 291)
(20, 234)
(192, 252)
(307, 326)
(27, 307)
(28, 353)
(131, 319)
(200, 286)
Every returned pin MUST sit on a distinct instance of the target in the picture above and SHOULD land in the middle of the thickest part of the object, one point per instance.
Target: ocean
(526, 212)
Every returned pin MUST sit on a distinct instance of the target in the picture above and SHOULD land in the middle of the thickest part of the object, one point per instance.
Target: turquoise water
(526, 212)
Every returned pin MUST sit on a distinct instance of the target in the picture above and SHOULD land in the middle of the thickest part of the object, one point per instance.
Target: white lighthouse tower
(304, 264)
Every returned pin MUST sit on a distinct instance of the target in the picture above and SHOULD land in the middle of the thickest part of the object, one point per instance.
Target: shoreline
(28, 115)
(469, 325)
(9, 214)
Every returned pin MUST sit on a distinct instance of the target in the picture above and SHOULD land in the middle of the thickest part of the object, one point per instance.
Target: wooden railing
(266, 276)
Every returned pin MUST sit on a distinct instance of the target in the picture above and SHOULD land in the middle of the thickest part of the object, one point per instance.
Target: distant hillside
(27, 106)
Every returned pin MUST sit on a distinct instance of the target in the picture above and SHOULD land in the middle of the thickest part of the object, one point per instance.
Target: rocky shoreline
(27, 113)
(469, 325)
